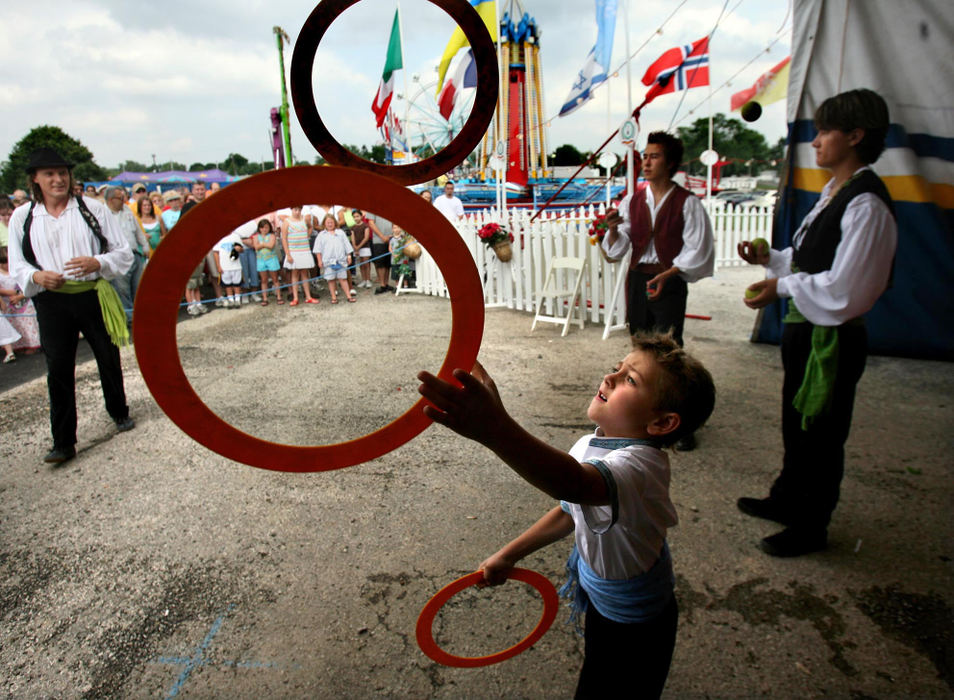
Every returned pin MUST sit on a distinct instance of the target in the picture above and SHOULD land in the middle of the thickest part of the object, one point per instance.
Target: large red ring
(425, 621)
(157, 303)
(485, 101)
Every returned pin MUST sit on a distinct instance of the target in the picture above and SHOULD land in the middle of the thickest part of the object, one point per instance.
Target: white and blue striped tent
(902, 50)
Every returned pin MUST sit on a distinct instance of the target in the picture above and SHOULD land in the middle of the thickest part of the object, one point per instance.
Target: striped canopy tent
(902, 50)
(176, 177)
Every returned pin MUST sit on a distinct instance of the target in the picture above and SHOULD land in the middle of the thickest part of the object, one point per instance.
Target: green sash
(814, 395)
(113, 315)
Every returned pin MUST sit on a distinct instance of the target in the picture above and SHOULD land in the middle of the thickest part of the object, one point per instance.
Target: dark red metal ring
(485, 102)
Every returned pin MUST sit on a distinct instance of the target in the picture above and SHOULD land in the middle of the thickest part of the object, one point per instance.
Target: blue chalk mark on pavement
(199, 657)
(199, 653)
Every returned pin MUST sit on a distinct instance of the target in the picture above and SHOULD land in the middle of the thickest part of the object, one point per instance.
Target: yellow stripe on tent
(902, 188)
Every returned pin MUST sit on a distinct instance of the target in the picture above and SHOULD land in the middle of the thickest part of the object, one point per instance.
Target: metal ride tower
(518, 133)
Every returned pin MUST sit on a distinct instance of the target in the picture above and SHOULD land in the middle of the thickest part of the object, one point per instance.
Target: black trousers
(61, 318)
(667, 312)
(627, 660)
(814, 464)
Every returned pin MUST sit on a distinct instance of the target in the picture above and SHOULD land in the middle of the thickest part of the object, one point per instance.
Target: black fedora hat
(46, 158)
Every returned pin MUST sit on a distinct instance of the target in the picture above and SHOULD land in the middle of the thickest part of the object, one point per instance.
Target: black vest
(816, 251)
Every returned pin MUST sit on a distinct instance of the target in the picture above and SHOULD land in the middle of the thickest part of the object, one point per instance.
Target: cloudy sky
(194, 81)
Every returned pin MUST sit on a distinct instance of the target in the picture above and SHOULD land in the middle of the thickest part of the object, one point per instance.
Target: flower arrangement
(598, 229)
(492, 234)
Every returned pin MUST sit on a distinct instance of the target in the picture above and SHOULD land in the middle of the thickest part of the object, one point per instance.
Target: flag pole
(630, 171)
(407, 105)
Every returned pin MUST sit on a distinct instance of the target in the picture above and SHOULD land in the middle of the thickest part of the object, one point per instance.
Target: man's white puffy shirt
(696, 260)
(861, 268)
(640, 477)
(58, 240)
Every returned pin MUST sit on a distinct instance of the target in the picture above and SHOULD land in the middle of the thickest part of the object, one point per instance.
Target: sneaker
(58, 455)
(221, 302)
(245, 299)
(352, 293)
(124, 424)
(192, 310)
(203, 309)
(380, 290)
(257, 298)
(793, 542)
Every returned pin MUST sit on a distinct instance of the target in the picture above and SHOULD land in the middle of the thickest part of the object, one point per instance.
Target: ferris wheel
(426, 130)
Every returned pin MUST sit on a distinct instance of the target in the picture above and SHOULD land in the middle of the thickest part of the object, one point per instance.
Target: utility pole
(281, 37)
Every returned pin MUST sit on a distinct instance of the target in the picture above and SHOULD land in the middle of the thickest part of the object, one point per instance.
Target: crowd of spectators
(292, 255)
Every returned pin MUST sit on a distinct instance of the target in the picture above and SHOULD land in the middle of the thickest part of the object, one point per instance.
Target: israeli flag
(597, 63)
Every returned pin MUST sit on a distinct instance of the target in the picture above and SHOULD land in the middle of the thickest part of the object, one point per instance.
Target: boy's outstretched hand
(473, 409)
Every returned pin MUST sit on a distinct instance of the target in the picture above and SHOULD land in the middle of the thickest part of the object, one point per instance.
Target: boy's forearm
(552, 527)
(549, 469)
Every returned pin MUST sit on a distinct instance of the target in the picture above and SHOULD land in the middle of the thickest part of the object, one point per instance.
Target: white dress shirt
(860, 271)
(57, 240)
(696, 260)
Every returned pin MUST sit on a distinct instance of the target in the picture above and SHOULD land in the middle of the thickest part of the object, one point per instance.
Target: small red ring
(445, 160)
(157, 306)
(425, 621)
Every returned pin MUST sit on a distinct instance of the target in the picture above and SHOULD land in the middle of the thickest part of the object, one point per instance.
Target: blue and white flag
(597, 64)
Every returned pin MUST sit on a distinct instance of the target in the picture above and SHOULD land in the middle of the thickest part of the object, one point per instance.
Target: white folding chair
(553, 289)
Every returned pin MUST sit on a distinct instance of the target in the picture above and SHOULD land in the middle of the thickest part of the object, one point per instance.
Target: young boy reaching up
(614, 492)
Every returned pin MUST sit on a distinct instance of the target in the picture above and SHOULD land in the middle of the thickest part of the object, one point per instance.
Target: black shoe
(380, 290)
(686, 443)
(124, 424)
(58, 455)
(764, 508)
(794, 543)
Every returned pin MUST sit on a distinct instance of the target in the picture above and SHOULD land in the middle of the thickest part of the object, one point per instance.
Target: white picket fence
(515, 284)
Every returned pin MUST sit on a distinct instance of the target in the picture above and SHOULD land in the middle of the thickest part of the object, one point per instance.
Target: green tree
(567, 155)
(235, 164)
(731, 139)
(12, 175)
(133, 166)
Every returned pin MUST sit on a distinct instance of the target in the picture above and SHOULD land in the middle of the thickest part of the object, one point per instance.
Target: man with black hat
(63, 250)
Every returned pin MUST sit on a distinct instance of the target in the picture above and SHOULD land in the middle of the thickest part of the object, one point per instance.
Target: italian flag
(392, 63)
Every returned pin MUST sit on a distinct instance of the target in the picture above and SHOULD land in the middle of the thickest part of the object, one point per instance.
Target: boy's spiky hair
(683, 385)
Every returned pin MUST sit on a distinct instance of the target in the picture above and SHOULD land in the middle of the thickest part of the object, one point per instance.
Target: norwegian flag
(680, 68)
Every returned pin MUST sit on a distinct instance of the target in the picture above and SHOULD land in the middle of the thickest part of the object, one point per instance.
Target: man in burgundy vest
(671, 237)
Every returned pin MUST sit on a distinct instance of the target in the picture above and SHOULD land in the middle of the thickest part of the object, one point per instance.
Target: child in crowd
(295, 242)
(361, 242)
(266, 254)
(227, 254)
(614, 493)
(8, 336)
(334, 253)
(401, 265)
(19, 312)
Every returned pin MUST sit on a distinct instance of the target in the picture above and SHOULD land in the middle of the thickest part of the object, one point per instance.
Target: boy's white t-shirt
(639, 474)
(224, 249)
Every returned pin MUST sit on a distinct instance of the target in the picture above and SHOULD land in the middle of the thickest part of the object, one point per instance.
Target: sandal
(351, 300)
(312, 300)
(334, 300)
(264, 303)
(9, 358)
(293, 302)
(280, 301)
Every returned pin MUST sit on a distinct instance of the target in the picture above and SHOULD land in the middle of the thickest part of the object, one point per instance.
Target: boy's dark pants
(668, 311)
(634, 657)
(61, 317)
(807, 490)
